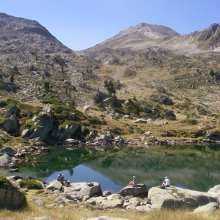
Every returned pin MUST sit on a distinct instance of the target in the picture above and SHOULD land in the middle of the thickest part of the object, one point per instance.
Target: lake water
(193, 167)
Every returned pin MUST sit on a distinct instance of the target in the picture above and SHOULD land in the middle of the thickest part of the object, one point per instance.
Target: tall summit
(140, 36)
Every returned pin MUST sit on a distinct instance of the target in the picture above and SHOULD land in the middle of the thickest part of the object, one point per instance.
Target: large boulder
(5, 160)
(55, 185)
(11, 125)
(47, 127)
(14, 110)
(80, 191)
(10, 196)
(176, 197)
(212, 206)
(139, 190)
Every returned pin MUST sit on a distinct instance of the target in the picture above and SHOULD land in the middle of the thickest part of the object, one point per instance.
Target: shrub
(4, 182)
(99, 97)
(53, 101)
(110, 87)
(215, 74)
(95, 121)
(202, 111)
(46, 87)
(8, 102)
(115, 102)
(169, 115)
(59, 60)
(30, 184)
(133, 107)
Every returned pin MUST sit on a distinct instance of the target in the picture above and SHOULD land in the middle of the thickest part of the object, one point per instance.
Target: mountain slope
(31, 57)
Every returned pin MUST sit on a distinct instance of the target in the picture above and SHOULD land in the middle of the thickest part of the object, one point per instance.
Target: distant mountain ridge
(144, 36)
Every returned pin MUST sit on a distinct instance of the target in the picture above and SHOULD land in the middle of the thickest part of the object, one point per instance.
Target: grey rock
(11, 197)
(106, 193)
(11, 125)
(132, 203)
(37, 201)
(25, 132)
(112, 201)
(139, 190)
(54, 185)
(210, 207)
(8, 150)
(145, 208)
(14, 110)
(176, 197)
(140, 120)
(215, 190)
(47, 127)
(80, 191)
(5, 160)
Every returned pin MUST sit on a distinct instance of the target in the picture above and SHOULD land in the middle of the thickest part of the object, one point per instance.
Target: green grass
(4, 182)
(30, 184)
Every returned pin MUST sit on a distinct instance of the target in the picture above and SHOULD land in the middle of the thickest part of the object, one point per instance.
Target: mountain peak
(20, 35)
(140, 36)
(155, 31)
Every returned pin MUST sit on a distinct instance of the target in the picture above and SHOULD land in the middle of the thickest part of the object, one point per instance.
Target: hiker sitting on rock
(133, 181)
(166, 183)
(59, 177)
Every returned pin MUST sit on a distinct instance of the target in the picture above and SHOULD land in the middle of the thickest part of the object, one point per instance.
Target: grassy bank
(76, 212)
(73, 213)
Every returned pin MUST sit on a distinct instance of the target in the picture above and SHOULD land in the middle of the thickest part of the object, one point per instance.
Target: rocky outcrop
(82, 191)
(178, 198)
(47, 127)
(139, 190)
(10, 196)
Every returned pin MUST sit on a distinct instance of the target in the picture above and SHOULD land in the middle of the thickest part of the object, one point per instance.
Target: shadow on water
(195, 167)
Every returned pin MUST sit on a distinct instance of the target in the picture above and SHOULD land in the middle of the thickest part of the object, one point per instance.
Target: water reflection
(83, 173)
(195, 168)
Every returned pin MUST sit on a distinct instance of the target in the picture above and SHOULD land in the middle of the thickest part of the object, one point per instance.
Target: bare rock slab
(176, 197)
(139, 190)
(212, 206)
(80, 191)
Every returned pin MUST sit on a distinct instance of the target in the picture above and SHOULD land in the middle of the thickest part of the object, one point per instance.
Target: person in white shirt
(133, 181)
(166, 183)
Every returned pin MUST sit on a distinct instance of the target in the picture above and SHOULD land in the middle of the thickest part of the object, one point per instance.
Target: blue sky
(80, 24)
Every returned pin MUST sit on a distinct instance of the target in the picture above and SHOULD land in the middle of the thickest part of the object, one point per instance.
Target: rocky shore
(90, 194)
